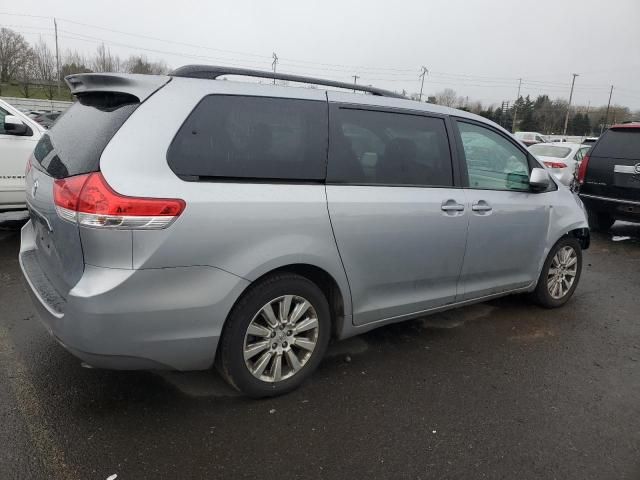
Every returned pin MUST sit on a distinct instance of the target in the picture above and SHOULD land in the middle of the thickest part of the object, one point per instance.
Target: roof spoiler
(140, 86)
(212, 72)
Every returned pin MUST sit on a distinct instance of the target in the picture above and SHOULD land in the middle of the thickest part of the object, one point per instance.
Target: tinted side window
(493, 162)
(619, 144)
(252, 137)
(371, 147)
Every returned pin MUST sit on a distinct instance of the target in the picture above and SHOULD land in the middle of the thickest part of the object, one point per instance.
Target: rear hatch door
(72, 147)
(614, 165)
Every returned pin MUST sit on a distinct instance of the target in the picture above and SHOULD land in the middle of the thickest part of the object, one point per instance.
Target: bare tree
(447, 97)
(104, 61)
(74, 62)
(140, 64)
(14, 51)
(26, 73)
(45, 68)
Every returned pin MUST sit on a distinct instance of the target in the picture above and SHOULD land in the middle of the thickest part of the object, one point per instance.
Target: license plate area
(42, 229)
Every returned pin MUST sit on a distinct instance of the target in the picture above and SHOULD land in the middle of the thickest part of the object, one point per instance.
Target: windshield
(550, 151)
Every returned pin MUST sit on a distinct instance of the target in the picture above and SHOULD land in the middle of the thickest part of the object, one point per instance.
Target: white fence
(37, 104)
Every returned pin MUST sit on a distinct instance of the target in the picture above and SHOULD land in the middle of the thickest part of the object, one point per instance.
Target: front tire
(275, 336)
(560, 274)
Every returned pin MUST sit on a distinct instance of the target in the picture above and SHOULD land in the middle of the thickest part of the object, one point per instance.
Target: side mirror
(14, 126)
(539, 179)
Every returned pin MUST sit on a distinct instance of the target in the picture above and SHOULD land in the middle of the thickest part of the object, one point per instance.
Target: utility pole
(606, 117)
(423, 72)
(566, 118)
(515, 107)
(55, 26)
(355, 81)
(273, 65)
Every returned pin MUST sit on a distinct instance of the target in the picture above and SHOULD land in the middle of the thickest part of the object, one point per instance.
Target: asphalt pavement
(499, 390)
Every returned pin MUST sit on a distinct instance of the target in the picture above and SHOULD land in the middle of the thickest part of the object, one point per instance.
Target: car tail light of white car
(90, 201)
(555, 164)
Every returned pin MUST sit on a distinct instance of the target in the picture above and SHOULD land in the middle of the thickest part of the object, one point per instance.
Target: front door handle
(451, 206)
(481, 206)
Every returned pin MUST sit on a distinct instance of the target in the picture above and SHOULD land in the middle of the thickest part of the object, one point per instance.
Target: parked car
(609, 177)
(18, 136)
(47, 119)
(589, 140)
(562, 160)
(254, 222)
(530, 138)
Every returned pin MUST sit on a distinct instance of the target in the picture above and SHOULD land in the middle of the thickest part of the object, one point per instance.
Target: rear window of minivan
(619, 144)
(230, 136)
(75, 143)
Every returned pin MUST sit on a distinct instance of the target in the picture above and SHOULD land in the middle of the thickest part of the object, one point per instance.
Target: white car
(530, 138)
(18, 137)
(562, 159)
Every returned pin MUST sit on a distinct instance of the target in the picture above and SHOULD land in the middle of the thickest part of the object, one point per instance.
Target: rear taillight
(582, 171)
(555, 164)
(90, 201)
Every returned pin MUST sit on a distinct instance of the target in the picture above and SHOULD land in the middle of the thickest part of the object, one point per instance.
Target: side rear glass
(230, 136)
(624, 143)
(383, 148)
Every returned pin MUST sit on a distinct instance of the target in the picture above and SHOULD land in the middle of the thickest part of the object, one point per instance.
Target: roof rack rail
(212, 72)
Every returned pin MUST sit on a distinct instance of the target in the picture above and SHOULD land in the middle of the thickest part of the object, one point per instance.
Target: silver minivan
(181, 221)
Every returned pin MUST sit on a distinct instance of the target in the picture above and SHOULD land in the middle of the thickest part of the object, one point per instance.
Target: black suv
(609, 177)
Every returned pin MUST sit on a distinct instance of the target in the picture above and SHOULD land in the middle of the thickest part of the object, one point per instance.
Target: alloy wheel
(562, 272)
(281, 338)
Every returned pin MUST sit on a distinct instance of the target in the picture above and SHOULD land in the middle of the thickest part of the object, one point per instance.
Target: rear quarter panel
(247, 229)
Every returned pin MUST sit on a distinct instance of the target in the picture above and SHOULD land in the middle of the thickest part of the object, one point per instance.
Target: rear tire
(272, 341)
(599, 222)
(560, 274)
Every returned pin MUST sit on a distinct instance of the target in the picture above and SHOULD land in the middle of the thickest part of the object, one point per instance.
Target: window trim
(462, 160)
(455, 170)
(252, 180)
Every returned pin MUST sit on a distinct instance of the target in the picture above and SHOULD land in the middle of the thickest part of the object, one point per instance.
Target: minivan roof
(143, 86)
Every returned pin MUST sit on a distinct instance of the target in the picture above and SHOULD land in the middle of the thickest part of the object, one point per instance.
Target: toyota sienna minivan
(182, 222)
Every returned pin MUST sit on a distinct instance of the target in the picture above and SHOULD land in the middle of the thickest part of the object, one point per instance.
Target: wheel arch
(335, 290)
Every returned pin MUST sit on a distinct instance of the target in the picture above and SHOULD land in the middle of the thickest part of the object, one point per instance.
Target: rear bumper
(618, 208)
(165, 318)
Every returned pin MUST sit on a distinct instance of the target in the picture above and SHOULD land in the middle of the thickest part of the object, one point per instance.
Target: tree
(104, 61)
(14, 52)
(74, 62)
(140, 64)
(44, 65)
(26, 73)
(447, 97)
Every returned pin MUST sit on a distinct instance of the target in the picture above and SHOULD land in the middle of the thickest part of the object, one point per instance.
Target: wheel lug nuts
(285, 344)
(289, 333)
(273, 334)
(274, 346)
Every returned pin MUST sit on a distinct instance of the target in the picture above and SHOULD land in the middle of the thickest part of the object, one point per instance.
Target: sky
(479, 48)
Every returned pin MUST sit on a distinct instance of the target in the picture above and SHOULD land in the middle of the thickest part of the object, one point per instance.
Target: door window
(384, 148)
(493, 162)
